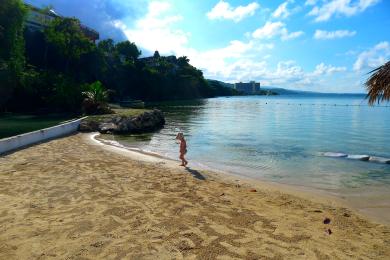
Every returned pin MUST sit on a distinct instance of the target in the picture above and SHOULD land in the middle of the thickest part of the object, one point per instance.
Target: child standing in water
(183, 148)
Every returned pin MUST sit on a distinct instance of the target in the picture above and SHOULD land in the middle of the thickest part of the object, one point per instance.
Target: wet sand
(73, 199)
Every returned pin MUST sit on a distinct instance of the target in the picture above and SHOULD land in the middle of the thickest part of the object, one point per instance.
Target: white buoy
(379, 159)
(336, 155)
(358, 157)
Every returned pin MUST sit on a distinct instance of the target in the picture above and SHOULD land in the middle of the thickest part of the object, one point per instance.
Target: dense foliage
(12, 13)
(96, 98)
(219, 88)
(50, 70)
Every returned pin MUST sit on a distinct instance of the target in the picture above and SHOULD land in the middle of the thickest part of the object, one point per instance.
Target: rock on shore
(122, 124)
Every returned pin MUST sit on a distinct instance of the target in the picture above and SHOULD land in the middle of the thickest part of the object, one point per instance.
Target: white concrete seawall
(19, 141)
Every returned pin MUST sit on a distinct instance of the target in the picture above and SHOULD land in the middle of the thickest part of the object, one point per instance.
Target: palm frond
(378, 84)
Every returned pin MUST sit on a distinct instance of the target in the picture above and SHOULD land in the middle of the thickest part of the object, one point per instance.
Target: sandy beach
(71, 198)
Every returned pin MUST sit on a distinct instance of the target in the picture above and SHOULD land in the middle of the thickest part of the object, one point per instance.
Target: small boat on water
(132, 103)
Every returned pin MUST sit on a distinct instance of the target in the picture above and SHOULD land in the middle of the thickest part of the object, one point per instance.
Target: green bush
(96, 98)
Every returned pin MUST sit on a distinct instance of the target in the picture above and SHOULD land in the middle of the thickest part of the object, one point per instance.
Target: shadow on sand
(196, 174)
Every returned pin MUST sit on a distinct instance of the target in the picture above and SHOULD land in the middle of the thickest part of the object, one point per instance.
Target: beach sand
(71, 198)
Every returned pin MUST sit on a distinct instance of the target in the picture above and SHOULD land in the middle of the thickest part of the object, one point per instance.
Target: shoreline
(73, 198)
(302, 191)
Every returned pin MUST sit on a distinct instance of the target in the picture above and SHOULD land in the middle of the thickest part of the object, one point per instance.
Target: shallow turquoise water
(279, 138)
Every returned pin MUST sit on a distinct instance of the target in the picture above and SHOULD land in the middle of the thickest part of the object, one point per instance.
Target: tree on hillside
(12, 62)
(62, 62)
(107, 46)
(156, 55)
(68, 41)
(183, 61)
(128, 50)
(378, 84)
(61, 59)
(71, 60)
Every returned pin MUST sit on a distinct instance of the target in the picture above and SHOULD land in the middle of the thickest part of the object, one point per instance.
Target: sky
(313, 45)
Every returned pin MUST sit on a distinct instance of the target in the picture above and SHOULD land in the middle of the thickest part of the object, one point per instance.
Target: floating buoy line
(323, 104)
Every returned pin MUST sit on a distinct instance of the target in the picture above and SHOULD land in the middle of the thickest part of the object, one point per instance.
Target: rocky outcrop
(122, 124)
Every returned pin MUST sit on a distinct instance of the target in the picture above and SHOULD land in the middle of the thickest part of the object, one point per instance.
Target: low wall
(18, 141)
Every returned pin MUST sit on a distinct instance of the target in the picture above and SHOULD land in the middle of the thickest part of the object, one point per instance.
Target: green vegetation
(128, 112)
(131, 112)
(60, 70)
(96, 98)
(12, 62)
(226, 89)
(220, 88)
(14, 124)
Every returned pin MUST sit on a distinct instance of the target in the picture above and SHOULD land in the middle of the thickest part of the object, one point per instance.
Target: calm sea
(280, 138)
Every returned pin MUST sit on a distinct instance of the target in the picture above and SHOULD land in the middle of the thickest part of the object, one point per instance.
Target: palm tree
(378, 84)
(96, 99)
(96, 93)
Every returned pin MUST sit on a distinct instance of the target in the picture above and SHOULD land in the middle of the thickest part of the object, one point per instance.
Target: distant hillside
(280, 91)
(268, 90)
(222, 89)
(221, 83)
(283, 91)
(227, 89)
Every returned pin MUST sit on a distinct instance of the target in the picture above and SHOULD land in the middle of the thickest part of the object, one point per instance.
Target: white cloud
(289, 73)
(237, 61)
(322, 69)
(329, 35)
(271, 29)
(293, 35)
(289, 70)
(310, 2)
(223, 10)
(282, 11)
(246, 69)
(285, 74)
(339, 7)
(374, 57)
(153, 32)
(225, 62)
(157, 8)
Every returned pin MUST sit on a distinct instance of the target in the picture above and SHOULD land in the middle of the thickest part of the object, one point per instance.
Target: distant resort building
(248, 88)
(39, 19)
(156, 60)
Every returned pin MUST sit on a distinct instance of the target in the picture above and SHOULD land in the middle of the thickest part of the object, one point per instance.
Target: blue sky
(315, 45)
